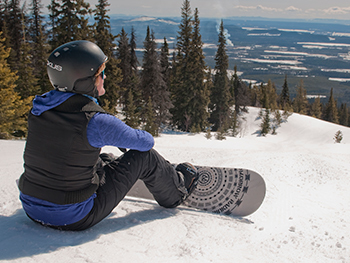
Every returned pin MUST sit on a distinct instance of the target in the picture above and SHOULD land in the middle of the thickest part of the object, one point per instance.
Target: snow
(270, 61)
(305, 216)
(339, 79)
(324, 44)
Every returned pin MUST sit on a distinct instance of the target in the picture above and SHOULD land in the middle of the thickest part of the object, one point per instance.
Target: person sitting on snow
(67, 183)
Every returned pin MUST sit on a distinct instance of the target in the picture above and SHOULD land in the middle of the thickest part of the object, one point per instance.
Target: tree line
(176, 90)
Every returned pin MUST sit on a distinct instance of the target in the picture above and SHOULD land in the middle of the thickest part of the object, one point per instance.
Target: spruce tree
(128, 65)
(135, 76)
(344, 115)
(271, 91)
(133, 58)
(331, 111)
(200, 97)
(70, 21)
(39, 46)
(123, 56)
(183, 79)
(105, 40)
(164, 62)
(220, 96)
(265, 99)
(26, 84)
(14, 32)
(150, 120)
(300, 102)
(240, 92)
(265, 125)
(256, 95)
(54, 16)
(12, 107)
(4, 13)
(316, 108)
(131, 115)
(152, 83)
(285, 97)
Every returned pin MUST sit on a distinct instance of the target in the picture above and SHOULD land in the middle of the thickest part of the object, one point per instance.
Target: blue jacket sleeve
(104, 129)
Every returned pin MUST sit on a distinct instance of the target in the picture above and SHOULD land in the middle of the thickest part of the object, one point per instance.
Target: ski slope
(305, 216)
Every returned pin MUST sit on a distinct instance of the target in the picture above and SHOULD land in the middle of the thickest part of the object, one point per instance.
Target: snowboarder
(67, 183)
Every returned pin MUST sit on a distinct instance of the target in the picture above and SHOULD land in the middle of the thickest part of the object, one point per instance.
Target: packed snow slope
(305, 216)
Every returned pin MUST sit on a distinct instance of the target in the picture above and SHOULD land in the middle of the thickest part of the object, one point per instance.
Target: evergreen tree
(26, 84)
(338, 137)
(103, 36)
(164, 62)
(272, 95)
(133, 58)
(69, 21)
(200, 96)
(131, 116)
(123, 55)
(39, 46)
(150, 122)
(235, 124)
(183, 79)
(344, 115)
(316, 108)
(105, 40)
(239, 91)
(3, 9)
(300, 102)
(265, 125)
(14, 32)
(267, 95)
(220, 96)
(285, 98)
(256, 95)
(12, 107)
(4, 16)
(135, 76)
(331, 111)
(264, 96)
(54, 22)
(153, 85)
(128, 65)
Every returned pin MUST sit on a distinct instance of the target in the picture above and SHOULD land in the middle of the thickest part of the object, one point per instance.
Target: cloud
(288, 11)
(293, 9)
(258, 7)
(337, 10)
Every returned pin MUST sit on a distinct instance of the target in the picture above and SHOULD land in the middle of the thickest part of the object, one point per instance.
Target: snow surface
(305, 216)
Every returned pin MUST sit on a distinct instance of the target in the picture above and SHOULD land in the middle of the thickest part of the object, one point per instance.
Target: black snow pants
(121, 174)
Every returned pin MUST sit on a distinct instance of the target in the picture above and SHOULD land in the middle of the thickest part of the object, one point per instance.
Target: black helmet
(72, 66)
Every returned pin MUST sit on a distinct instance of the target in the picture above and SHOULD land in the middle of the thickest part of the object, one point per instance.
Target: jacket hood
(49, 100)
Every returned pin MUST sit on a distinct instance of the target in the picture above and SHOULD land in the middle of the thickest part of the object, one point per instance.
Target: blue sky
(306, 9)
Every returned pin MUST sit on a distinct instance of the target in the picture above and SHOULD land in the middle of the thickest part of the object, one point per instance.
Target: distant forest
(175, 91)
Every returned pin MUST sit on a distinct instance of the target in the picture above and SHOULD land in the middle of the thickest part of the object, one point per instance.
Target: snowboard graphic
(230, 191)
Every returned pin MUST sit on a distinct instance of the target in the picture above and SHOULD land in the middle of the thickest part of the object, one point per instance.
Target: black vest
(59, 162)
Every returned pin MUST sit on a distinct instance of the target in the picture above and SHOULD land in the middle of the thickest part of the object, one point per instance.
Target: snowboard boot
(189, 175)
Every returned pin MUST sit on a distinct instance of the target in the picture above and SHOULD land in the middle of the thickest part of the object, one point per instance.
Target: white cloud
(293, 9)
(337, 10)
(258, 7)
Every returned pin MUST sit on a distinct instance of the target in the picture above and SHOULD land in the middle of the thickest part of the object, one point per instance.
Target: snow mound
(305, 216)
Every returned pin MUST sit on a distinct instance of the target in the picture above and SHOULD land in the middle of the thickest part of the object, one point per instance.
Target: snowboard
(230, 191)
